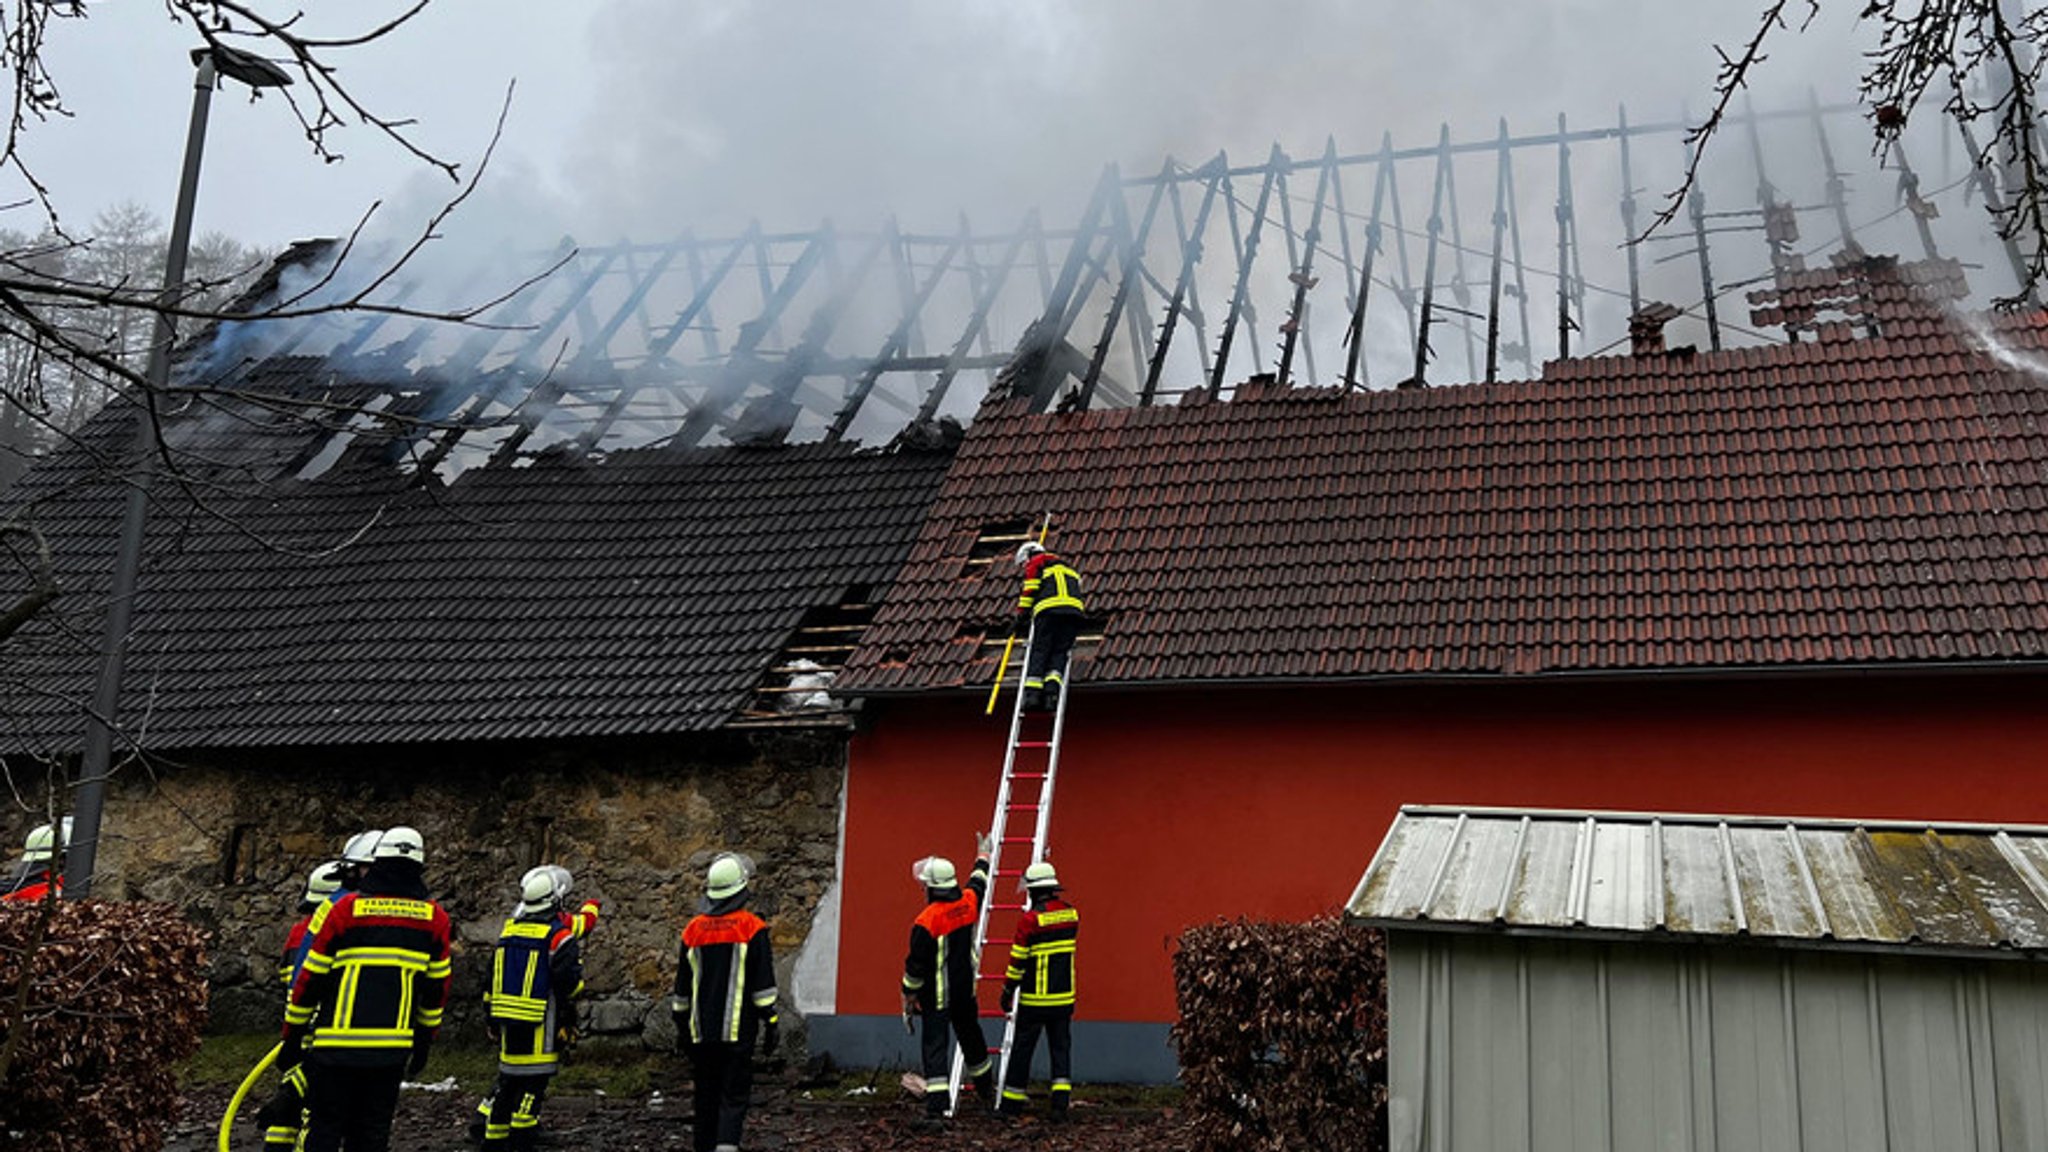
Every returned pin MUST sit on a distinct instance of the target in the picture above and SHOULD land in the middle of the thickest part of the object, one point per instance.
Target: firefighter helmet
(1027, 550)
(937, 872)
(401, 843)
(1041, 878)
(43, 842)
(727, 876)
(563, 881)
(541, 891)
(323, 882)
(361, 848)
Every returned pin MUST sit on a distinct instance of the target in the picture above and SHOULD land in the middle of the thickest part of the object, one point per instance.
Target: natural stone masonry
(231, 839)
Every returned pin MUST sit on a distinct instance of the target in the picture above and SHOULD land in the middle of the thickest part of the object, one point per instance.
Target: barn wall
(636, 823)
(1540, 1045)
(1177, 807)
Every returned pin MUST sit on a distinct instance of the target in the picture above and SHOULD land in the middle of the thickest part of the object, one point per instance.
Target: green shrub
(116, 997)
(1283, 1035)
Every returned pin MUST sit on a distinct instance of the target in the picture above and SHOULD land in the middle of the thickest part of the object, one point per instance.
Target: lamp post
(211, 63)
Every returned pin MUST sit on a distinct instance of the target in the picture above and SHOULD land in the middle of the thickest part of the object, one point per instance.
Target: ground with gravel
(785, 1116)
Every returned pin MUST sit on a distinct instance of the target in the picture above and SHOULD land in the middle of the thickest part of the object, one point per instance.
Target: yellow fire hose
(227, 1120)
(1003, 665)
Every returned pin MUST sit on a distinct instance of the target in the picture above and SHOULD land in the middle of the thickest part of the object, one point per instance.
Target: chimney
(1646, 328)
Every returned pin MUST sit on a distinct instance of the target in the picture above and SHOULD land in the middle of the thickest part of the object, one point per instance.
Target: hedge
(116, 998)
(1283, 1035)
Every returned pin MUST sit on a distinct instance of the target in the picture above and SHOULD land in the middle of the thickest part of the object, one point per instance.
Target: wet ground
(784, 1116)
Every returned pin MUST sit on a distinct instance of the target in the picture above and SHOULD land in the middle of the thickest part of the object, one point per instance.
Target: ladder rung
(1027, 775)
(1016, 840)
(1034, 743)
(1015, 807)
(994, 1014)
(1004, 943)
(1007, 872)
(1007, 907)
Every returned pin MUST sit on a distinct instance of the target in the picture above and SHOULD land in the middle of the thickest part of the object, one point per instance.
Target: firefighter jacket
(942, 963)
(296, 943)
(35, 886)
(1050, 585)
(725, 972)
(537, 972)
(375, 976)
(1042, 956)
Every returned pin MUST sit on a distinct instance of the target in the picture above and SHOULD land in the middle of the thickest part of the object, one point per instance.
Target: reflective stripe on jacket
(1042, 956)
(942, 963)
(726, 967)
(1049, 584)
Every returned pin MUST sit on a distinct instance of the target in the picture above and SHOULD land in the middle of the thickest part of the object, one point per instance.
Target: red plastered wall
(1178, 807)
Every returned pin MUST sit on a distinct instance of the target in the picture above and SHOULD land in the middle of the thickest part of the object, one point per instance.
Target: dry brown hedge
(117, 997)
(1283, 1035)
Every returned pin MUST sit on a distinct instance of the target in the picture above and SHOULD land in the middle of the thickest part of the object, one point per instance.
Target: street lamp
(211, 62)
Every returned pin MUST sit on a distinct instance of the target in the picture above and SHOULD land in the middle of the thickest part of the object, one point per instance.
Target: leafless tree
(1978, 61)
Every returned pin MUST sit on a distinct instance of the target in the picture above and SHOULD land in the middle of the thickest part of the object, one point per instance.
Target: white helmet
(401, 843)
(43, 842)
(1028, 549)
(935, 872)
(361, 848)
(323, 882)
(1041, 878)
(541, 891)
(563, 881)
(727, 876)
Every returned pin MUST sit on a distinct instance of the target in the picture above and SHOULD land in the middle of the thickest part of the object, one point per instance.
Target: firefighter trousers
(722, 1084)
(351, 1107)
(1052, 640)
(514, 1120)
(961, 1021)
(1057, 1024)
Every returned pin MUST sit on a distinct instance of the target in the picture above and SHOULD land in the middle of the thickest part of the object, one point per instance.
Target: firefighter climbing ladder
(1030, 760)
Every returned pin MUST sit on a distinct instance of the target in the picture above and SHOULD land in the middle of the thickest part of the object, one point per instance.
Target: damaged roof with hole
(307, 582)
(1841, 502)
(1801, 882)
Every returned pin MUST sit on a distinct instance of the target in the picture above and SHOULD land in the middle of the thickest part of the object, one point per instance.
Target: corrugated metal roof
(1823, 881)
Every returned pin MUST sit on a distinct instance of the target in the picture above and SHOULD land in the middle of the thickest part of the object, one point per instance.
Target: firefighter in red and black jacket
(1039, 988)
(282, 1115)
(41, 871)
(939, 977)
(724, 997)
(1049, 611)
(537, 972)
(368, 999)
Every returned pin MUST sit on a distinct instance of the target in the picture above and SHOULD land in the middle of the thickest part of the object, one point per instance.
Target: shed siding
(1518, 1044)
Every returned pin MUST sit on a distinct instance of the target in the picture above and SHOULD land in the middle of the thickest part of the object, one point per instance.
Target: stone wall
(231, 838)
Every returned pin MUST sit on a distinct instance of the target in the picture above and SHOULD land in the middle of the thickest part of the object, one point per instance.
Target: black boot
(985, 1090)
(1060, 1101)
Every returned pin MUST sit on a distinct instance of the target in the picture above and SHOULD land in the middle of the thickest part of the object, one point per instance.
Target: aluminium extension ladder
(1031, 760)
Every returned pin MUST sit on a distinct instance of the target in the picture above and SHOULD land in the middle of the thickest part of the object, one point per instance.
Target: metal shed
(1577, 981)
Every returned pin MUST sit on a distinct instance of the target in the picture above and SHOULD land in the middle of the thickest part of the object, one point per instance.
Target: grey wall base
(1105, 1052)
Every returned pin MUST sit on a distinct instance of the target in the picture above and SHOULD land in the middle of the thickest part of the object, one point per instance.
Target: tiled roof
(1883, 885)
(644, 593)
(1841, 502)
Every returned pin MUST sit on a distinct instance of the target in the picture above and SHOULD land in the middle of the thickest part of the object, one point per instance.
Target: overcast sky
(642, 117)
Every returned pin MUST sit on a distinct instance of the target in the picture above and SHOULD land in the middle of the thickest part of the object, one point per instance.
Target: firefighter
(1049, 611)
(41, 870)
(534, 978)
(579, 923)
(724, 996)
(283, 1115)
(939, 977)
(368, 999)
(357, 854)
(1039, 988)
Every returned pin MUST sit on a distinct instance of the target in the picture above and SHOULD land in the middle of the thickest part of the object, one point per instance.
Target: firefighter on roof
(534, 977)
(41, 871)
(283, 1116)
(368, 999)
(724, 996)
(1049, 611)
(1039, 988)
(939, 977)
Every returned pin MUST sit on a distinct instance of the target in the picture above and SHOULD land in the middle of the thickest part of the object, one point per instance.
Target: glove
(292, 1050)
(421, 1045)
(682, 1032)
(566, 1037)
(1010, 998)
(909, 1012)
(983, 845)
(1021, 626)
(771, 1036)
